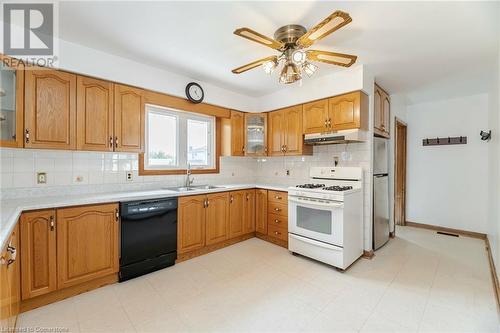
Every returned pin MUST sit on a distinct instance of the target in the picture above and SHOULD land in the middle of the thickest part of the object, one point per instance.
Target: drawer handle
(13, 254)
(277, 197)
(51, 223)
(277, 209)
(276, 221)
(277, 233)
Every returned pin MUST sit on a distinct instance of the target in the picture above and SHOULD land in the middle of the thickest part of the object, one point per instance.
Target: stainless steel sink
(193, 188)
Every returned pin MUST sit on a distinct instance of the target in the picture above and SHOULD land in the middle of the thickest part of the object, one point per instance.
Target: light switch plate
(41, 178)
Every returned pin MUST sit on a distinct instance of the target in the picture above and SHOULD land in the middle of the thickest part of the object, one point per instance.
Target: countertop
(10, 210)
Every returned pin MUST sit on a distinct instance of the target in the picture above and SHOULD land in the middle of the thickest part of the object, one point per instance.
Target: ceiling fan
(293, 41)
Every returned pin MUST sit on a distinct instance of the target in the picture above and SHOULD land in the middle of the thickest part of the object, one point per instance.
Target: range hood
(331, 138)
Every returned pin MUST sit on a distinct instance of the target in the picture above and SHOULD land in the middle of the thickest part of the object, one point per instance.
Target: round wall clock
(194, 92)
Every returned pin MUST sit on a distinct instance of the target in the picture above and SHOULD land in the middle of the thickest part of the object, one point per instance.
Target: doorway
(400, 139)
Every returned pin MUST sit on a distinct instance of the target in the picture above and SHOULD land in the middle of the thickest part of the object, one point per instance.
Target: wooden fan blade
(258, 38)
(339, 59)
(332, 23)
(254, 64)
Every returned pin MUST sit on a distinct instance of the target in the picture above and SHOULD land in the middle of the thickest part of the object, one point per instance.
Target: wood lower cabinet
(87, 243)
(50, 109)
(129, 119)
(191, 223)
(38, 253)
(10, 289)
(94, 114)
(249, 212)
(217, 218)
(236, 212)
(261, 211)
(382, 114)
(277, 216)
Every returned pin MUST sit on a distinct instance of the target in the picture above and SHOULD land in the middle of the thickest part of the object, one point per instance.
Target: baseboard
(214, 247)
(494, 276)
(467, 233)
(273, 240)
(33, 303)
(368, 254)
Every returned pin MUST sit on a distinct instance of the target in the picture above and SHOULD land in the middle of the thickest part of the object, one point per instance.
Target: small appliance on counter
(148, 236)
(380, 193)
(325, 218)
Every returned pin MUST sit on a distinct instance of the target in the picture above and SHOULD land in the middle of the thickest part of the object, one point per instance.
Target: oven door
(316, 219)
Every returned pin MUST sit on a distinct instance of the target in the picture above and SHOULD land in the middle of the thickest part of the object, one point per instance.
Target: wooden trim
(494, 276)
(144, 172)
(466, 233)
(183, 104)
(398, 123)
(368, 254)
(273, 240)
(19, 66)
(36, 302)
(210, 248)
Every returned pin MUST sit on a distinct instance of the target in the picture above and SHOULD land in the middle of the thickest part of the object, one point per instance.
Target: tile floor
(419, 281)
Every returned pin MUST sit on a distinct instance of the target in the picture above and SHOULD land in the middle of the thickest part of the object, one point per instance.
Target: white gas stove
(325, 217)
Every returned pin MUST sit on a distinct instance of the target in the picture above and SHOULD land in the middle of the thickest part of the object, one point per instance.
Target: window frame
(182, 119)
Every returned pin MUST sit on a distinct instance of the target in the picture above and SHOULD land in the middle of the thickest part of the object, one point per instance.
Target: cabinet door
(191, 223)
(249, 211)
(87, 243)
(94, 114)
(256, 134)
(237, 133)
(12, 110)
(378, 109)
(217, 222)
(236, 211)
(315, 116)
(386, 107)
(50, 109)
(345, 111)
(129, 119)
(276, 133)
(261, 211)
(38, 253)
(293, 130)
(5, 306)
(14, 276)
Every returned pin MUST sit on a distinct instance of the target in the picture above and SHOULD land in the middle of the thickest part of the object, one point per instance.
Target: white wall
(494, 150)
(448, 185)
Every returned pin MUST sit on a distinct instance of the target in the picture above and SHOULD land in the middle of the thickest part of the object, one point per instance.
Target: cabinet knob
(277, 197)
(276, 221)
(277, 209)
(110, 142)
(116, 142)
(277, 233)
(27, 135)
(231, 199)
(52, 224)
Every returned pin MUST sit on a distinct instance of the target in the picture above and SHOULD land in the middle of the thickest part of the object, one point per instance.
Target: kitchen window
(176, 139)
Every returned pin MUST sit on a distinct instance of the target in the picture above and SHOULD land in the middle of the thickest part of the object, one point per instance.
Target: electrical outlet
(41, 178)
(128, 176)
(79, 179)
(288, 172)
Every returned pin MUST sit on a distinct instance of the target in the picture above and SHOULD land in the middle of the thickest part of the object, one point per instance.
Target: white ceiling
(407, 45)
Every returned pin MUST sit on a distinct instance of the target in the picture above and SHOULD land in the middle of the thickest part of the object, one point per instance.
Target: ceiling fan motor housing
(289, 34)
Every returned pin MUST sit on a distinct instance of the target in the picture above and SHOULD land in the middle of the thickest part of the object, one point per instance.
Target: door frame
(400, 127)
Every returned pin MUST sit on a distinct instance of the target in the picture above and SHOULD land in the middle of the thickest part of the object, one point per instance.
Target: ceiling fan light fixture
(309, 68)
(298, 57)
(290, 73)
(269, 66)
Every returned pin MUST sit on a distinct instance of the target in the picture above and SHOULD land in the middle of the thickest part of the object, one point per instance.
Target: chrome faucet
(189, 180)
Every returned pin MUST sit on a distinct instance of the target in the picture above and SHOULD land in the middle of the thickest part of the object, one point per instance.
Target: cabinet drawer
(277, 208)
(278, 197)
(277, 221)
(277, 232)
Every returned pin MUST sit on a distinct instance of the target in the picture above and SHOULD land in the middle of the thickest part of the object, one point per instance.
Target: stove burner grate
(310, 186)
(337, 188)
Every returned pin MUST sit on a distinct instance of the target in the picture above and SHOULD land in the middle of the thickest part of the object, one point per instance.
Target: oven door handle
(330, 204)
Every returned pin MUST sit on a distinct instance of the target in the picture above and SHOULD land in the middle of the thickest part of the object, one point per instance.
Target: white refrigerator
(380, 192)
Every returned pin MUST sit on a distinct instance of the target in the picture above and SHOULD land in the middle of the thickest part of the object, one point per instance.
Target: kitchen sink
(193, 188)
(206, 187)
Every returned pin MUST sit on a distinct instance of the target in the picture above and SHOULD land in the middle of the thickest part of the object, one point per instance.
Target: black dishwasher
(148, 236)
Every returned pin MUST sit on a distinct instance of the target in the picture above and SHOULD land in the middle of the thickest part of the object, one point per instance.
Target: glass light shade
(269, 66)
(298, 57)
(309, 68)
(290, 73)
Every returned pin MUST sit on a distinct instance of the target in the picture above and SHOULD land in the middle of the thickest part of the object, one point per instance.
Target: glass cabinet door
(11, 102)
(256, 134)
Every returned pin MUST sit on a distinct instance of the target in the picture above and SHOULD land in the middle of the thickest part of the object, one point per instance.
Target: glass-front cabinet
(256, 134)
(11, 102)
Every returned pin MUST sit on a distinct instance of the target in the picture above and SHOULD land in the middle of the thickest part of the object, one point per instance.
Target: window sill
(159, 172)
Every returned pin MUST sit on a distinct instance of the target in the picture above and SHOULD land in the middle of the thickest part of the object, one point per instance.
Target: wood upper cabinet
(315, 117)
(10, 292)
(87, 243)
(94, 114)
(276, 133)
(249, 211)
(12, 106)
(349, 111)
(382, 114)
(256, 134)
(129, 119)
(237, 133)
(50, 109)
(236, 212)
(191, 223)
(217, 218)
(38, 253)
(261, 211)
